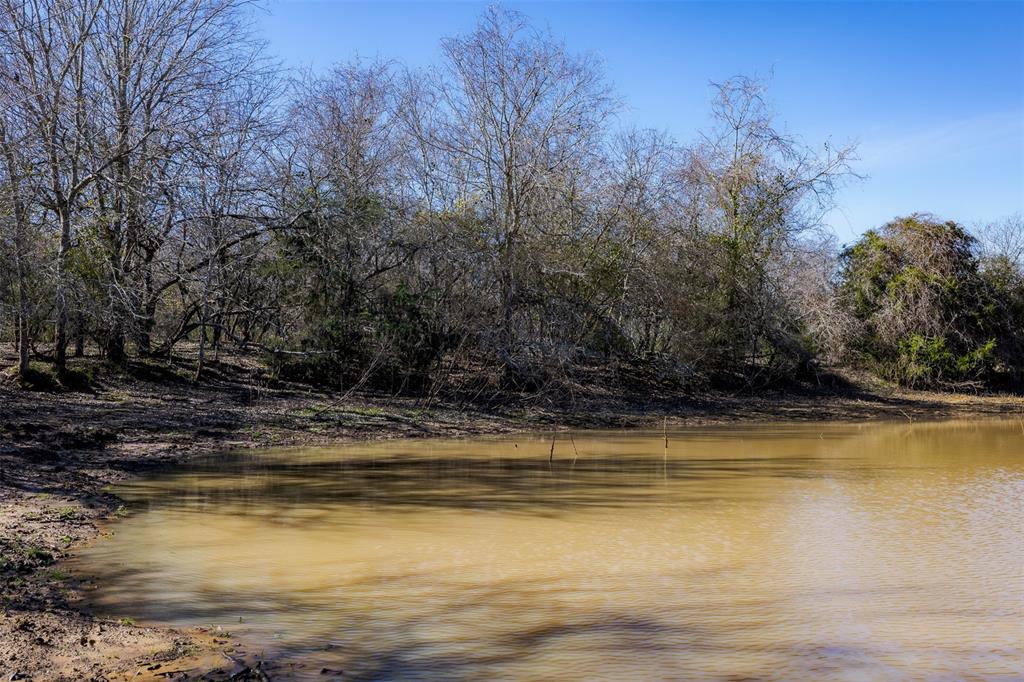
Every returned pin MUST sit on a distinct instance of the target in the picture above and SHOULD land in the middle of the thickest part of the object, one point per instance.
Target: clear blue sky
(932, 91)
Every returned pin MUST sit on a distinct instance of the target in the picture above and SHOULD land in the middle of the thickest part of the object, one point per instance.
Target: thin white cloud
(945, 142)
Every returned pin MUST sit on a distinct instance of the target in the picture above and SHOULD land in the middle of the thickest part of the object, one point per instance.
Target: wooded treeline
(492, 222)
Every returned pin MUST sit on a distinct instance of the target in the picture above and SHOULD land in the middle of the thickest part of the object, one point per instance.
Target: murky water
(885, 551)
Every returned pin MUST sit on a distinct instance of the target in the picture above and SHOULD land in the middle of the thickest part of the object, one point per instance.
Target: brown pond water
(814, 551)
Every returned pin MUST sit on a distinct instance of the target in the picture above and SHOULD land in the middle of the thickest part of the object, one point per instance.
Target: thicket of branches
(933, 305)
(491, 220)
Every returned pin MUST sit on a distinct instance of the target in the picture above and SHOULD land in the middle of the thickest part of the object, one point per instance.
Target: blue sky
(933, 92)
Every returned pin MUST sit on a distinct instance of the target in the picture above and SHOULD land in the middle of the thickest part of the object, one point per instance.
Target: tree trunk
(20, 255)
(217, 329)
(200, 361)
(60, 333)
(23, 343)
(114, 345)
(79, 338)
(145, 336)
(23, 309)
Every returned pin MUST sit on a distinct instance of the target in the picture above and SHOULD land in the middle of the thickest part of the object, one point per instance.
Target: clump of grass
(43, 377)
(365, 411)
(76, 380)
(126, 621)
(310, 410)
(38, 377)
(39, 555)
(66, 513)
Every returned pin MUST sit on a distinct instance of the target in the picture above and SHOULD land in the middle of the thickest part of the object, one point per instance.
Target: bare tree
(44, 43)
(154, 67)
(757, 191)
(1002, 241)
(516, 118)
(18, 193)
(227, 183)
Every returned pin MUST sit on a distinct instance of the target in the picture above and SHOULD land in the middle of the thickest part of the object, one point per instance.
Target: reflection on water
(812, 551)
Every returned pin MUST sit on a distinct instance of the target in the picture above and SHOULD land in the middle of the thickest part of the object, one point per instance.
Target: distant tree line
(490, 222)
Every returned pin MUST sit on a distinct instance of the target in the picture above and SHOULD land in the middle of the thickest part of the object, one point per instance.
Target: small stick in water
(551, 455)
(664, 431)
(576, 453)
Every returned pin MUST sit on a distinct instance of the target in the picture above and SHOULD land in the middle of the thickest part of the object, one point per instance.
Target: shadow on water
(500, 476)
(388, 644)
(532, 485)
(791, 554)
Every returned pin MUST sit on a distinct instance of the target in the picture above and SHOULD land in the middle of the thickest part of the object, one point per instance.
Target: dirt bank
(60, 452)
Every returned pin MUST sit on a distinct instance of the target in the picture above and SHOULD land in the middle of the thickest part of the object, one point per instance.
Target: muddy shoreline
(61, 452)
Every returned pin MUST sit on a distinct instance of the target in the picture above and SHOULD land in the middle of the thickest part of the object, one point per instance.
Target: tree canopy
(489, 224)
